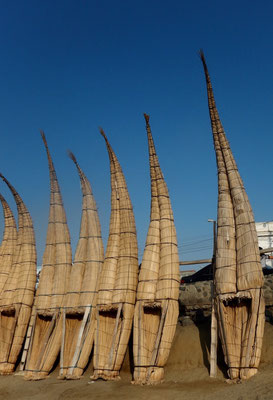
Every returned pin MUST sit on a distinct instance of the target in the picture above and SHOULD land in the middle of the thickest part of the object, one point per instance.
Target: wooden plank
(269, 250)
(158, 340)
(62, 345)
(206, 261)
(213, 342)
(28, 342)
(78, 347)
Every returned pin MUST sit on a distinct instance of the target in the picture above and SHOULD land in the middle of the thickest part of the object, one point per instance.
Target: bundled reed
(239, 302)
(8, 244)
(45, 330)
(118, 281)
(80, 310)
(19, 256)
(156, 310)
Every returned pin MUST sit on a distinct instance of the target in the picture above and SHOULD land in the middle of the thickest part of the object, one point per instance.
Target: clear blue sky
(68, 67)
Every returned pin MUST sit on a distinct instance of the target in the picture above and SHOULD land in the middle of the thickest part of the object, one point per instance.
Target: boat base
(239, 375)
(76, 374)
(6, 368)
(105, 375)
(35, 376)
(148, 376)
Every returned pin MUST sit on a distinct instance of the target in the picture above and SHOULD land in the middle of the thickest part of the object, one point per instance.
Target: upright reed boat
(118, 281)
(45, 331)
(18, 255)
(80, 311)
(8, 245)
(238, 300)
(156, 310)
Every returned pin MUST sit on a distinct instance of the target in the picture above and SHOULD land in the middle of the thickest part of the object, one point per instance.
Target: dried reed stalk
(54, 279)
(80, 321)
(8, 244)
(156, 310)
(238, 278)
(18, 290)
(118, 282)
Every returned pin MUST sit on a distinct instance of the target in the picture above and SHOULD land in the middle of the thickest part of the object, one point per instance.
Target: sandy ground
(186, 376)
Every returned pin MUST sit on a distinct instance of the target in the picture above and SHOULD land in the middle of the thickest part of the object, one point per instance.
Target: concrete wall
(194, 296)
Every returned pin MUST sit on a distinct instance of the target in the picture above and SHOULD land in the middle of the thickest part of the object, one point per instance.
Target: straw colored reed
(46, 326)
(8, 244)
(18, 290)
(80, 317)
(239, 302)
(156, 310)
(118, 281)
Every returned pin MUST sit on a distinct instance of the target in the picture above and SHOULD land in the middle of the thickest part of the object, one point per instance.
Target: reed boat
(80, 310)
(156, 310)
(118, 281)
(44, 337)
(238, 296)
(8, 245)
(18, 255)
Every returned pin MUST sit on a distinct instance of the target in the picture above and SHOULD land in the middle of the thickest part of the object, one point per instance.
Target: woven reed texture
(156, 310)
(82, 293)
(238, 278)
(241, 327)
(118, 282)
(57, 258)
(154, 329)
(18, 291)
(8, 244)
(248, 266)
(109, 270)
(45, 342)
(226, 267)
(89, 254)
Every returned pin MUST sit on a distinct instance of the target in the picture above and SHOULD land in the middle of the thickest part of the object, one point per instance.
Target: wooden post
(78, 346)
(158, 339)
(62, 345)
(213, 342)
(28, 342)
(214, 328)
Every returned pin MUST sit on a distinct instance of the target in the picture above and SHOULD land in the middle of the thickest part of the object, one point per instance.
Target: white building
(265, 239)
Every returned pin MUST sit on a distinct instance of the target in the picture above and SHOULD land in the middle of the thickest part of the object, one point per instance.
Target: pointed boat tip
(7, 182)
(42, 133)
(102, 133)
(72, 157)
(104, 136)
(147, 118)
(43, 137)
(109, 148)
(3, 201)
(202, 56)
(4, 179)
